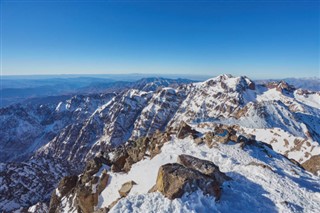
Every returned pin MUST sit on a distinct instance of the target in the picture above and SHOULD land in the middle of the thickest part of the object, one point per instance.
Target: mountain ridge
(81, 127)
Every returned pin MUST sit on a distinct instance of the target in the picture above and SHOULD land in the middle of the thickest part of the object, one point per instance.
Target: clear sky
(268, 39)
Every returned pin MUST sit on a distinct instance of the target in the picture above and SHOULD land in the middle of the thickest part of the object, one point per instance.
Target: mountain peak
(228, 81)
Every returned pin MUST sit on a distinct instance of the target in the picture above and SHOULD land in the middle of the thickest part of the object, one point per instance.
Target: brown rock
(126, 188)
(208, 139)
(119, 160)
(103, 181)
(86, 199)
(156, 143)
(203, 166)
(312, 165)
(174, 180)
(185, 130)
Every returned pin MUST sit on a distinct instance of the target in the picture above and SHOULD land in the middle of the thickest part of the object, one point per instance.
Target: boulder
(174, 180)
(313, 165)
(203, 166)
(126, 188)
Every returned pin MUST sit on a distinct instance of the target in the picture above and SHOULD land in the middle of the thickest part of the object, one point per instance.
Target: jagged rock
(185, 130)
(65, 186)
(281, 86)
(119, 160)
(157, 141)
(82, 192)
(208, 139)
(313, 165)
(203, 166)
(86, 199)
(174, 180)
(136, 150)
(126, 188)
(103, 181)
(92, 168)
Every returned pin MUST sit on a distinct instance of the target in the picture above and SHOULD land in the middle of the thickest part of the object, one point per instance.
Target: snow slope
(283, 188)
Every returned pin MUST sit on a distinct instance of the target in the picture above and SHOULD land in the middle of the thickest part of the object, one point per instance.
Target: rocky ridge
(174, 180)
(233, 102)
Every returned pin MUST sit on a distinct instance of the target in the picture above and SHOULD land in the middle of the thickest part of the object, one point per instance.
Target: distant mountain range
(263, 135)
(303, 83)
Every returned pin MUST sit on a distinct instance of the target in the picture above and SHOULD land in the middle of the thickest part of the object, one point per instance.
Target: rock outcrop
(192, 174)
(134, 151)
(185, 130)
(81, 193)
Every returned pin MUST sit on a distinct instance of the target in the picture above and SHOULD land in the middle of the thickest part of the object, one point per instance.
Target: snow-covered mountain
(260, 180)
(76, 130)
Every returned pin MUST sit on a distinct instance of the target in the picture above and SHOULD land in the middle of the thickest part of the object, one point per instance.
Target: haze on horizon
(274, 39)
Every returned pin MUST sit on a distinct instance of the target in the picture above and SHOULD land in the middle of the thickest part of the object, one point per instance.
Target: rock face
(64, 187)
(176, 179)
(81, 193)
(313, 165)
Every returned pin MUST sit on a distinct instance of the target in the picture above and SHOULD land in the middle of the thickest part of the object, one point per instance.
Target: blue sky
(270, 39)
